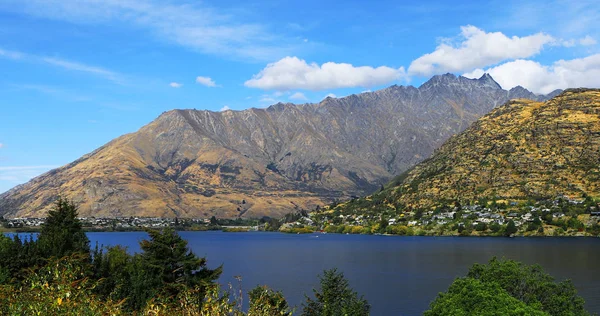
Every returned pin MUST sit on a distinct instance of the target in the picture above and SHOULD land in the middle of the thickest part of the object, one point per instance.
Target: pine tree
(62, 233)
(336, 298)
(167, 256)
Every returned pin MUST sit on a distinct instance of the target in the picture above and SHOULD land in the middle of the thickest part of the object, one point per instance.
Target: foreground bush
(508, 287)
(59, 288)
(335, 297)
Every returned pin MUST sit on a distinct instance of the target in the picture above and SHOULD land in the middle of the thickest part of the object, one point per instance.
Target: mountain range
(521, 151)
(265, 162)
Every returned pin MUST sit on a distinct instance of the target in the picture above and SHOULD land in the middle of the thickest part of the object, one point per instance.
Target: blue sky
(76, 74)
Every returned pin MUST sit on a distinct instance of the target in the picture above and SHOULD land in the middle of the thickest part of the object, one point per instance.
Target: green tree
(62, 234)
(531, 285)
(335, 298)
(166, 254)
(467, 296)
(495, 227)
(481, 226)
(511, 228)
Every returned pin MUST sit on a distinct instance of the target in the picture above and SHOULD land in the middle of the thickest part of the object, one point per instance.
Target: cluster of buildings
(113, 223)
(471, 214)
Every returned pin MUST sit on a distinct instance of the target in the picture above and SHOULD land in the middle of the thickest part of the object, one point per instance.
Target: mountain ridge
(256, 162)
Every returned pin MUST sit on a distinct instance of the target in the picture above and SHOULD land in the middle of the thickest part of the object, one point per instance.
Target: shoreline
(34, 230)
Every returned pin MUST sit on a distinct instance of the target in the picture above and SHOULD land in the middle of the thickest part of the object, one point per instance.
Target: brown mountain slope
(521, 150)
(257, 162)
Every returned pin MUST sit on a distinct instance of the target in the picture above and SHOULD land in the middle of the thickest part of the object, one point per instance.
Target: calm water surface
(397, 275)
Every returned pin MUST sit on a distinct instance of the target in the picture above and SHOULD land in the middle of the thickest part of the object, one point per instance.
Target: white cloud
(65, 64)
(10, 54)
(193, 25)
(70, 65)
(568, 43)
(477, 49)
(587, 41)
(294, 73)
(206, 81)
(175, 85)
(225, 108)
(298, 96)
(562, 74)
(584, 41)
(331, 95)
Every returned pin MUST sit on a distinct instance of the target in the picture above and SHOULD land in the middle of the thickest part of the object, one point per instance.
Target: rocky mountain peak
(487, 81)
(437, 80)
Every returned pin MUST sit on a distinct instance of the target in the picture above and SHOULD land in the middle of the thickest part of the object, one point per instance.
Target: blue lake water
(397, 275)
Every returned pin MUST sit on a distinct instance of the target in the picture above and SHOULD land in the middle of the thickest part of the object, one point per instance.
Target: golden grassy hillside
(521, 150)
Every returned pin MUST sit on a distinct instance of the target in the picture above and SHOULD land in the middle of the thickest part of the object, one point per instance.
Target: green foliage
(298, 230)
(335, 298)
(574, 223)
(531, 285)
(125, 277)
(495, 227)
(400, 230)
(214, 303)
(16, 257)
(166, 254)
(264, 301)
(511, 228)
(59, 288)
(62, 234)
(506, 287)
(481, 226)
(165, 268)
(467, 296)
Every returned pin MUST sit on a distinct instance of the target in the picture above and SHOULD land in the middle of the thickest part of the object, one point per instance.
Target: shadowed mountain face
(523, 150)
(258, 162)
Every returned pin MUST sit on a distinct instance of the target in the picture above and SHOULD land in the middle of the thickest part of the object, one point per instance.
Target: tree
(62, 234)
(495, 227)
(511, 228)
(335, 298)
(481, 226)
(531, 285)
(468, 296)
(166, 255)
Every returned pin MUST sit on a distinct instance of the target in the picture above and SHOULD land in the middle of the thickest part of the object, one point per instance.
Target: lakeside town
(560, 217)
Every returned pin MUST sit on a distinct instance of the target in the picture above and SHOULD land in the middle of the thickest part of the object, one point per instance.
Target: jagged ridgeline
(272, 161)
(523, 150)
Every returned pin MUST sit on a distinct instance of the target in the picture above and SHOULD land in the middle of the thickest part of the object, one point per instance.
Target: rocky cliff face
(271, 161)
(523, 150)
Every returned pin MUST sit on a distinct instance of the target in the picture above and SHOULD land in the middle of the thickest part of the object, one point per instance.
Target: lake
(397, 275)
